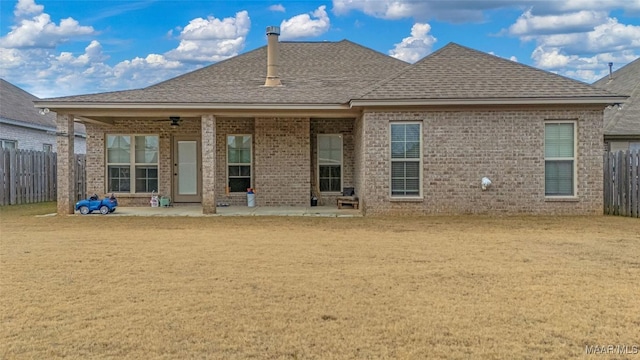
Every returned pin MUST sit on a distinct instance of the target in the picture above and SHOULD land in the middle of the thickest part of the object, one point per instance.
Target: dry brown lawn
(316, 288)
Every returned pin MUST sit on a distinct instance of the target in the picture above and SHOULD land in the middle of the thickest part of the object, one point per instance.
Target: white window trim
(132, 164)
(341, 163)
(420, 160)
(3, 141)
(226, 153)
(574, 158)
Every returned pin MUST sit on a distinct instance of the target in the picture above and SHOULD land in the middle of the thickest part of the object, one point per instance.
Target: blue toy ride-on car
(105, 206)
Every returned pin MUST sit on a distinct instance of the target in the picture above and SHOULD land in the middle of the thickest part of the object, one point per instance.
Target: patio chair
(348, 198)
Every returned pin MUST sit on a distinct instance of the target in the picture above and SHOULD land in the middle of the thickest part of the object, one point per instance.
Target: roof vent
(610, 70)
(272, 56)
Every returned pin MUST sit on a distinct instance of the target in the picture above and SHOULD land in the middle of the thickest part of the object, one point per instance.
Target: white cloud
(29, 56)
(528, 24)
(27, 8)
(39, 30)
(212, 39)
(416, 46)
(471, 10)
(303, 26)
(277, 7)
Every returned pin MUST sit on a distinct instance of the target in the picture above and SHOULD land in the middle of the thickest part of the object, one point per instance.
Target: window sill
(561, 199)
(406, 199)
(331, 193)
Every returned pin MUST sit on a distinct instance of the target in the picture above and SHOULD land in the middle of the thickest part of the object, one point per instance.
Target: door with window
(186, 170)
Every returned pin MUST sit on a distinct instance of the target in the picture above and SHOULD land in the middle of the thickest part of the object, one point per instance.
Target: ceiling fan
(175, 120)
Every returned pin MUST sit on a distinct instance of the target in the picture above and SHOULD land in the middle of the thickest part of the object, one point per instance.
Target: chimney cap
(273, 30)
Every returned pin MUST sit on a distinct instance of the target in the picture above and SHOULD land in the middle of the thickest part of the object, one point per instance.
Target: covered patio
(196, 210)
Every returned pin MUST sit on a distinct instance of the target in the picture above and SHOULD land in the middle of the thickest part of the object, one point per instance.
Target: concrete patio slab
(196, 210)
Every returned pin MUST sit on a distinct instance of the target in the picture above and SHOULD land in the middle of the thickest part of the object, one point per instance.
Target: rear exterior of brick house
(346, 116)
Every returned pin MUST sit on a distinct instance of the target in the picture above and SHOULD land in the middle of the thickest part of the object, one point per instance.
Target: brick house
(409, 138)
(23, 127)
(622, 124)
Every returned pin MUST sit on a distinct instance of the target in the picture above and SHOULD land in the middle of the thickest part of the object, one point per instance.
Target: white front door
(186, 170)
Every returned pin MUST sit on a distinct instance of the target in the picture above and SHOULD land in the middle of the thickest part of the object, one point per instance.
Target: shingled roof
(311, 73)
(17, 105)
(623, 121)
(17, 108)
(347, 74)
(458, 72)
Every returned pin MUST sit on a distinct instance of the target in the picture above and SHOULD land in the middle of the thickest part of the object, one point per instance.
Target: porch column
(66, 164)
(208, 131)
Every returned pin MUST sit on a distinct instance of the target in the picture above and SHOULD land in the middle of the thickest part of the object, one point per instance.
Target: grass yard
(316, 288)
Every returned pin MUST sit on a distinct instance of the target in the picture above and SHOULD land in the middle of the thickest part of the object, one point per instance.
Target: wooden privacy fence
(30, 176)
(622, 183)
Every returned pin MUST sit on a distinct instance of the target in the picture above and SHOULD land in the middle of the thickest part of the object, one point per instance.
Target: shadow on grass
(28, 209)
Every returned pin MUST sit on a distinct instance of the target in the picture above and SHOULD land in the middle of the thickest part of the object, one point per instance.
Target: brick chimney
(272, 56)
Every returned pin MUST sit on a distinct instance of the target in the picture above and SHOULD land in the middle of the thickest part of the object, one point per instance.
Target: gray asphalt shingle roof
(626, 81)
(17, 106)
(312, 73)
(458, 72)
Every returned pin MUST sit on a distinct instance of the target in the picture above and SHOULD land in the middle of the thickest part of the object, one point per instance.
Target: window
(330, 163)
(406, 159)
(132, 163)
(47, 147)
(9, 144)
(559, 158)
(239, 162)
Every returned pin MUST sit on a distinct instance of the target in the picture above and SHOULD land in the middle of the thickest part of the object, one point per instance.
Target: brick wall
(34, 139)
(343, 127)
(282, 163)
(96, 170)
(461, 147)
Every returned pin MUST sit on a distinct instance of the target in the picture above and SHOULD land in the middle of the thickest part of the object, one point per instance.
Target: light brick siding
(333, 126)
(65, 165)
(282, 161)
(209, 164)
(227, 126)
(96, 170)
(34, 139)
(461, 147)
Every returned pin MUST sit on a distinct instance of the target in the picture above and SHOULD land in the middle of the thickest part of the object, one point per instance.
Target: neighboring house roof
(17, 108)
(623, 121)
(341, 75)
(456, 72)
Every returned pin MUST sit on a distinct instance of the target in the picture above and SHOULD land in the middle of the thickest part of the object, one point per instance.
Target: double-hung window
(8, 144)
(330, 162)
(132, 163)
(239, 162)
(559, 158)
(406, 159)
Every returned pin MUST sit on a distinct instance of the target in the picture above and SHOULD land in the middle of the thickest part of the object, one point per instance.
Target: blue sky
(58, 48)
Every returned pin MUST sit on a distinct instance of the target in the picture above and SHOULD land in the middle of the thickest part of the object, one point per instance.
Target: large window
(132, 163)
(559, 158)
(8, 144)
(239, 162)
(406, 159)
(330, 163)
